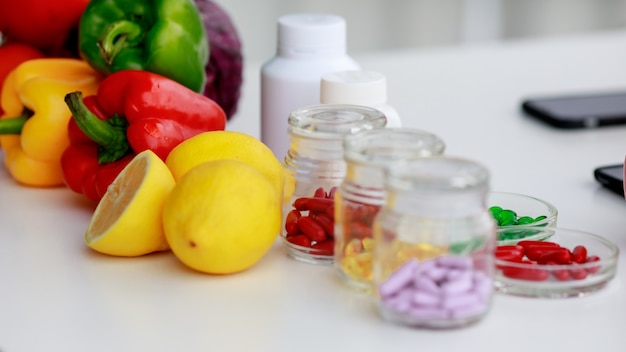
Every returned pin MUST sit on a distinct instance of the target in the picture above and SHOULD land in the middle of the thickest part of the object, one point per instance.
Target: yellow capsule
(368, 244)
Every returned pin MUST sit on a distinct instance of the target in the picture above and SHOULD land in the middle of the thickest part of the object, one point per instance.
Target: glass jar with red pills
(361, 194)
(434, 241)
(314, 168)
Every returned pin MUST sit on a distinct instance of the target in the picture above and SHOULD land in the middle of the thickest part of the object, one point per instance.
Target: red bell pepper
(50, 26)
(13, 54)
(133, 111)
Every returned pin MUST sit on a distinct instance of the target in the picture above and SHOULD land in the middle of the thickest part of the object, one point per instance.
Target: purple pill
(426, 299)
(460, 300)
(436, 273)
(426, 284)
(399, 305)
(428, 313)
(400, 302)
(453, 274)
(462, 283)
(424, 267)
(455, 262)
(483, 285)
(398, 279)
(468, 311)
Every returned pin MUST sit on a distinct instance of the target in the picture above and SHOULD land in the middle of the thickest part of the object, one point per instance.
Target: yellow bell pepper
(33, 129)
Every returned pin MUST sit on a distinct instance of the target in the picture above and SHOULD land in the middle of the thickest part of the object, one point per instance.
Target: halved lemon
(128, 219)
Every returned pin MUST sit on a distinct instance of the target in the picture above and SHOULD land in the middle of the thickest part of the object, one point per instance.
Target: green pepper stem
(109, 134)
(117, 36)
(14, 125)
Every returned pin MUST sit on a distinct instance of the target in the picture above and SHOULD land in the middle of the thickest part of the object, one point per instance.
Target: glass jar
(361, 194)
(314, 167)
(434, 242)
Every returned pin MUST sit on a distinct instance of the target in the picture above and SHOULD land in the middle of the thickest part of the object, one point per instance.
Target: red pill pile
(311, 222)
(545, 260)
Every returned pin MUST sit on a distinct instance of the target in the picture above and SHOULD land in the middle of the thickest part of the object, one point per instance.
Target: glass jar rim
(334, 121)
(436, 174)
(389, 144)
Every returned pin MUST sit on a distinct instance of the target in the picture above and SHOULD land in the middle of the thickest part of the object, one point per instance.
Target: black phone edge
(591, 122)
(609, 182)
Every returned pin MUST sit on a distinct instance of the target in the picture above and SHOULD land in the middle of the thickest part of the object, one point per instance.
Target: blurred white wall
(393, 24)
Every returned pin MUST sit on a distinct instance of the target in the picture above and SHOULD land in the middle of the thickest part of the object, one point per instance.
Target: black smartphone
(611, 177)
(579, 110)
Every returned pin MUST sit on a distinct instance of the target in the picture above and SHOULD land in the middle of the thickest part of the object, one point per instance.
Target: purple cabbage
(225, 67)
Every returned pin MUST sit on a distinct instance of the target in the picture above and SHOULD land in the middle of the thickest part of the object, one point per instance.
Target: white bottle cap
(307, 34)
(359, 87)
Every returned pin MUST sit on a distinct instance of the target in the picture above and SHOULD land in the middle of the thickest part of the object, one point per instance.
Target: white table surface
(57, 295)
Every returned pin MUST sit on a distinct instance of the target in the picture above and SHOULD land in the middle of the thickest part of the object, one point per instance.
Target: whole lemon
(222, 217)
(218, 145)
(128, 218)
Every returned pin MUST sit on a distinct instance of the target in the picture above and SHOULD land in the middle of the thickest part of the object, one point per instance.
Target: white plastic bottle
(309, 46)
(359, 87)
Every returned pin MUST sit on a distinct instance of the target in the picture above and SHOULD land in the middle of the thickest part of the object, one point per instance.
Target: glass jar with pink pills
(314, 167)
(434, 242)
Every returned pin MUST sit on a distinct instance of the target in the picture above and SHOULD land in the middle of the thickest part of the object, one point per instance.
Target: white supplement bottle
(359, 87)
(309, 46)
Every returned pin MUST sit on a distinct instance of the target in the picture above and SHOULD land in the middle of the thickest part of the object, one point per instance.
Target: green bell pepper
(166, 37)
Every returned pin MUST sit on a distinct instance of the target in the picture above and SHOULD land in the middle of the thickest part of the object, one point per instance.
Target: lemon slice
(128, 219)
(222, 217)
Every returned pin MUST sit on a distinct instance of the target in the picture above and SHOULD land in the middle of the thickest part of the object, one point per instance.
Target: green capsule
(506, 218)
(540, 217)
(524, 220)
(495, 210)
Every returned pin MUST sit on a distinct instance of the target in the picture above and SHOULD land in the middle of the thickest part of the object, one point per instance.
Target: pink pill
(426, 284)
(462, 283)
(455, 262)
(426, 299)
(398, 279)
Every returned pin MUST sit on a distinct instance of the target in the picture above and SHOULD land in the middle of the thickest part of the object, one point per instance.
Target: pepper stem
(117, 36)
(109, 134)
(14, 125)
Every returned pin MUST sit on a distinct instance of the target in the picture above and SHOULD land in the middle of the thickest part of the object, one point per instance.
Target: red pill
(558, 255)
(360, 230)
(530, 243)
(562, 275)
(327, 223)
(578, 274)
(325, 247)
(320, 193)
(591, 259)
(291, 222)
(311, 229)
(529, 274)
(331, 193)
(513, 253)
(579, 254)
(330, 211)
(313, 204)
(299, 240)
(535, 252)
